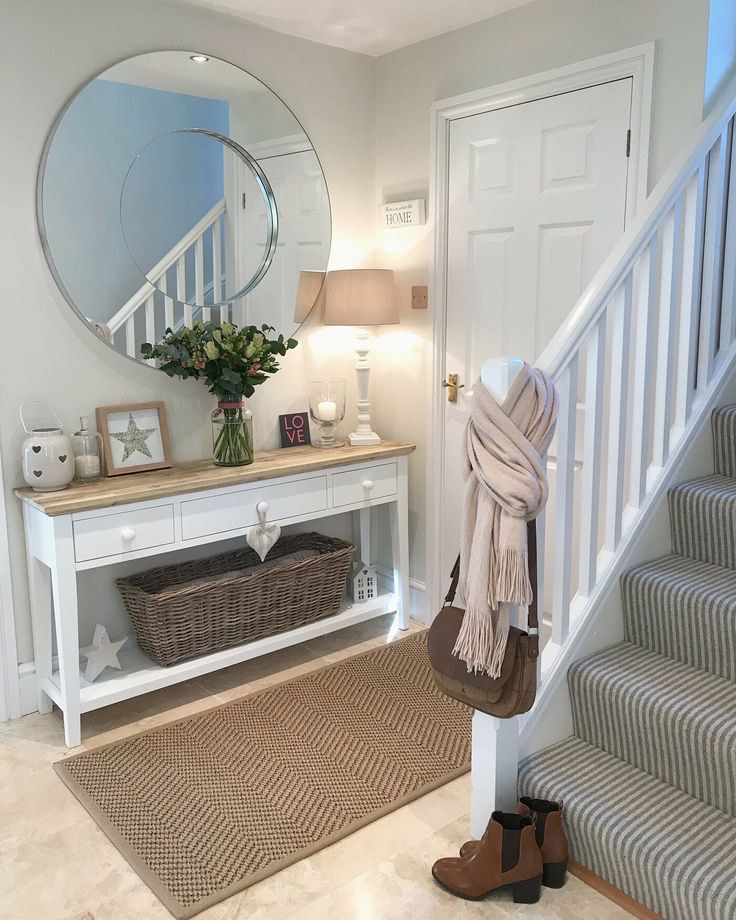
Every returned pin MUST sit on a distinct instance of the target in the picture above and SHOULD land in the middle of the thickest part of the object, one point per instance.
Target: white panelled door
(537, 199)
(303, 244)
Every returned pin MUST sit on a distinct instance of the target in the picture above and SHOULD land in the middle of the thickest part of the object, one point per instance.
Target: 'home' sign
(403, 213)
(294, 429)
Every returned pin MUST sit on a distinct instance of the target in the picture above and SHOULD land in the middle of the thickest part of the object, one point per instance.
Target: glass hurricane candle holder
(87, 446)
(327, 409)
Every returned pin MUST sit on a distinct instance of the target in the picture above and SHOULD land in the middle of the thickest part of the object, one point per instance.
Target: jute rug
(210, 804)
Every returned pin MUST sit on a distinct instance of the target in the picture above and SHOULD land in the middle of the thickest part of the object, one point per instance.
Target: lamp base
(363, 438)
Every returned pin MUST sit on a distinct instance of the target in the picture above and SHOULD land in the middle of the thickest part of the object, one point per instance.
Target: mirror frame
(41, 223)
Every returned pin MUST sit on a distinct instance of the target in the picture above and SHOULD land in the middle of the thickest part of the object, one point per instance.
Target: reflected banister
(175, 256)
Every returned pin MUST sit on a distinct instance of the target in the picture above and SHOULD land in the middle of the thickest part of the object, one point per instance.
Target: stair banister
(637, 362)
(495, 757)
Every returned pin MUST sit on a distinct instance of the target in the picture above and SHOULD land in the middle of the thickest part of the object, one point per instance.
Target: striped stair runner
(649, 778)
(684, 610)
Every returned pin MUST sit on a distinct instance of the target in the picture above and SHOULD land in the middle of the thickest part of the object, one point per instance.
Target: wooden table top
(203, 474)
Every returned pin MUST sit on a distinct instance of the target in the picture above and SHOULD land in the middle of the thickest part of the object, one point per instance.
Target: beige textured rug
(208, 805)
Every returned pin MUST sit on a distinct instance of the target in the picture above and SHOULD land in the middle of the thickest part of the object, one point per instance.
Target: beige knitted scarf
(505, 487)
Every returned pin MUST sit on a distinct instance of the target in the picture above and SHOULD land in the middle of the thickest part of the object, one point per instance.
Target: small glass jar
(232, 433)
(327, 409)
(87, 446)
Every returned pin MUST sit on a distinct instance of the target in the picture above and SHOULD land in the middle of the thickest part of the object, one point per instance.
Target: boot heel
(555, 874)
(529, 891)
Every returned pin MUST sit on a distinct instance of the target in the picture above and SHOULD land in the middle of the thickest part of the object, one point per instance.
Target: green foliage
(231, 361)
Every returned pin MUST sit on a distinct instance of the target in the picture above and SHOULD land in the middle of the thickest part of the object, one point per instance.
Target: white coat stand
(495, 752)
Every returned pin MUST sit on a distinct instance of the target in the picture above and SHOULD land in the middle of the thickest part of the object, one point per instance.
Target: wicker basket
(193, 608)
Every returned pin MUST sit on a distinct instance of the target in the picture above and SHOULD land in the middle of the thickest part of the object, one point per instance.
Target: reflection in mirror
(149, 220)
(204, 278)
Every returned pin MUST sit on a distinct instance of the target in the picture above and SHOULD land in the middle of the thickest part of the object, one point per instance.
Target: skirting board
(27, 688)
(612, 893)
(417, 595)
(27, 672)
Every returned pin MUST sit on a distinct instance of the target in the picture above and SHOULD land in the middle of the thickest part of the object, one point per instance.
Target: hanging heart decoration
(263, 536)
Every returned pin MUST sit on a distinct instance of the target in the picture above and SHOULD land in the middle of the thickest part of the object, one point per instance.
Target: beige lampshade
(311, 288)
(361, 297)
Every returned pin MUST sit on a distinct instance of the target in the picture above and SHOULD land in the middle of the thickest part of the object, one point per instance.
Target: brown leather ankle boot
(507, 855)
(550, 836)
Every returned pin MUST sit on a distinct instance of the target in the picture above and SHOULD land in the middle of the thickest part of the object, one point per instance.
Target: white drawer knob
(128, 534)
(262, 508)
(368, 484)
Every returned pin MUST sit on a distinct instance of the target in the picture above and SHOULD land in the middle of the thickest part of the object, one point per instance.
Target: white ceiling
(369, 26)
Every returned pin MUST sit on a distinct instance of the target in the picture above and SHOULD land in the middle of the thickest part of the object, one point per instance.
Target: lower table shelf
(141, 675)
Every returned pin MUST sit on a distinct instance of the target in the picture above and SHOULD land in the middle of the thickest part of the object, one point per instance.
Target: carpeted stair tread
(664, 848)
(702, 518)
(723, 421)
(683, 609)
(664, 717)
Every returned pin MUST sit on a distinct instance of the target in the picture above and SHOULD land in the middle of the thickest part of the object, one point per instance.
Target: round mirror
(176, 187)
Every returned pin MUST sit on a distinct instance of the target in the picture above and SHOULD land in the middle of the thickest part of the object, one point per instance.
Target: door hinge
(628, 143)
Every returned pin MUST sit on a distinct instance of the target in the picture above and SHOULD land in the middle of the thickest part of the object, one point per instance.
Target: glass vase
(232, 434)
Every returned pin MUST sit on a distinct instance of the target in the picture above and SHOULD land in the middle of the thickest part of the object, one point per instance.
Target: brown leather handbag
(513, 691)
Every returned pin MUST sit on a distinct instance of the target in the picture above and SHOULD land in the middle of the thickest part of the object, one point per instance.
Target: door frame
(638, 64)
(9, 682)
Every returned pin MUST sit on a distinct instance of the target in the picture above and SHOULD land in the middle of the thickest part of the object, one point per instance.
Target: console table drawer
(355, 486)
(202, 517)
(123, 532)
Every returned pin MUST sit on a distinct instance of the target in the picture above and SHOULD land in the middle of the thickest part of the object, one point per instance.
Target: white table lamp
(361, 297)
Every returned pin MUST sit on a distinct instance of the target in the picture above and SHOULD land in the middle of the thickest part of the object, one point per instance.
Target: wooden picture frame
(135, 452)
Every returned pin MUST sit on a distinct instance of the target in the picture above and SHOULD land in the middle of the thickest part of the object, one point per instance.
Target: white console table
(145, 514)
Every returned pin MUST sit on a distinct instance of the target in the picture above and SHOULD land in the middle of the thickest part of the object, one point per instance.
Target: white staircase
(638, 364)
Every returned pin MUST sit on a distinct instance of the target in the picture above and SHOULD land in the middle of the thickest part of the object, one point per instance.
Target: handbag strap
(454, 579)
(532, 616)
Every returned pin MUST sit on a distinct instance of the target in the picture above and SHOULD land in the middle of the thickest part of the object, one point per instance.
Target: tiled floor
(56, 865)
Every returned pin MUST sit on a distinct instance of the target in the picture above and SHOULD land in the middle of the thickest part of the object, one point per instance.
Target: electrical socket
(419, 297)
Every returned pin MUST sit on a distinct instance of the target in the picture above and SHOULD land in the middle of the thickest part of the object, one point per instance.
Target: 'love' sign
(294, 429)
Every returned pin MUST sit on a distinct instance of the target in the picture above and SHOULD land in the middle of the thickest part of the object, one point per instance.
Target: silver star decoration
(133, 439)
(101, 654)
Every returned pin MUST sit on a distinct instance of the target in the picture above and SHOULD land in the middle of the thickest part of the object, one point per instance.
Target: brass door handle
(452, 386)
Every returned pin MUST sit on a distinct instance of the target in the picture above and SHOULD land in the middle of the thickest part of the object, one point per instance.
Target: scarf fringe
(513, 585)
(477, 637)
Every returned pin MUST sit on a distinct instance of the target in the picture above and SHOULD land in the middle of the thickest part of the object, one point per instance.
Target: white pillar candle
(86, 466)
(327, 410)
